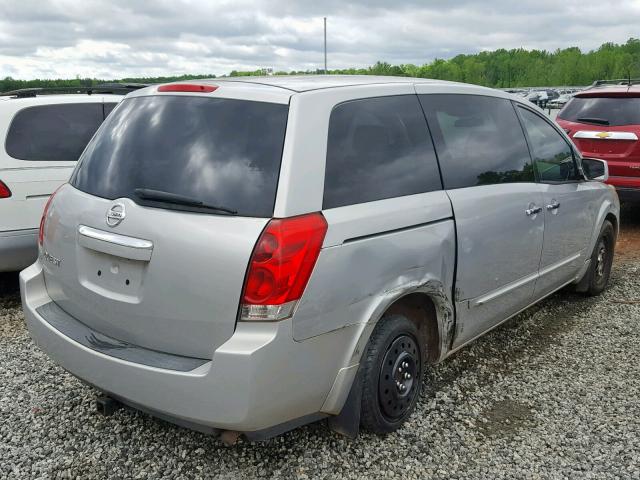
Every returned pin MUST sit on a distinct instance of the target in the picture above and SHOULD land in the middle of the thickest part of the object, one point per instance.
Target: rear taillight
(43, 219)
(4, 190)
(280, 266)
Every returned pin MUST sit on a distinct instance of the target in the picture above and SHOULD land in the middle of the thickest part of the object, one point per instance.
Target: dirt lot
(553, 393)
(628, 246)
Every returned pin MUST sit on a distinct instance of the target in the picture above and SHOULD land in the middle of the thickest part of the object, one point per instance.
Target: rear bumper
(258, 379)
(18, 249)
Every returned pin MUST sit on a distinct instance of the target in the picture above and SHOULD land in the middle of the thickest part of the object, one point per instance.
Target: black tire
(394, 354)
(597, 277)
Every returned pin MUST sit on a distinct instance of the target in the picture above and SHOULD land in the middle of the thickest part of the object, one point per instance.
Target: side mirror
(595, 169)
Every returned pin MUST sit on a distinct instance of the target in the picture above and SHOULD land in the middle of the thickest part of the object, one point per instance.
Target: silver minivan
(249, 255)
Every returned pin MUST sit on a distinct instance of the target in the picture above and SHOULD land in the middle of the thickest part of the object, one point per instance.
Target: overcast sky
(115, 38)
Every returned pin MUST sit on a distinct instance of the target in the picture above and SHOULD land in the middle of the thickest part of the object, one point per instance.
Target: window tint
(221, 152)
(108, 107)
(552, 155)
(53, 132)
(478, 139)
(378, 148)
(602, 111)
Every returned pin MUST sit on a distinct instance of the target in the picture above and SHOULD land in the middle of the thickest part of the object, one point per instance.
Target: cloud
(118, 38)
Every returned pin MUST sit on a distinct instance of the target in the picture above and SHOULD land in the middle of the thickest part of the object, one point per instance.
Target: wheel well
(421, 310)
(614, 221)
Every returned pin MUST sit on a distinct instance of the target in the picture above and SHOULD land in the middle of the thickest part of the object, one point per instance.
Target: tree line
(499, 68)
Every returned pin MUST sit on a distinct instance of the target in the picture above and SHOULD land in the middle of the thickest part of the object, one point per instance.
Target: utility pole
(325, 45)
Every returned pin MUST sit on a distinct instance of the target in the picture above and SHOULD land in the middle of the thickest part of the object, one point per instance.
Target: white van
(42, 135)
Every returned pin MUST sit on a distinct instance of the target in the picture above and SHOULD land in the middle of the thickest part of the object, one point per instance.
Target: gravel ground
(553, 393)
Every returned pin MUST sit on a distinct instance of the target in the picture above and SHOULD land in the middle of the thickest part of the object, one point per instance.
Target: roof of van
(304, 83)
(280, 88)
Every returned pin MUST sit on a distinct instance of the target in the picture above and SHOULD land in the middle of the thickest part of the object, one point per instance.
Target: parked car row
(252, 254)
(558, 97)
(546, 97)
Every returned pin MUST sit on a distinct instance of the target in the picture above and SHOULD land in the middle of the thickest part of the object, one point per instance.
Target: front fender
(610, 205)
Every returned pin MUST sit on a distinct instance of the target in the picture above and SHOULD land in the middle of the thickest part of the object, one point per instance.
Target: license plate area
(111, 276)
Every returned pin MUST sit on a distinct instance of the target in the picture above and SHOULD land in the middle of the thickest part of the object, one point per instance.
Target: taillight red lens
(187, 87)
(43, 219)
(4, 190)
(280, 266)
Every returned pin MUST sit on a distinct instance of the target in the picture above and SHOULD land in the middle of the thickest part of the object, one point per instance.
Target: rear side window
(53, 132)
(478, 139)
(614, 111)
(217, 151)
(378, 148)
(552, 155)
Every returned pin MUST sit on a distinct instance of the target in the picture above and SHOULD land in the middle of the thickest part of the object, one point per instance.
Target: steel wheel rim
(399, 377)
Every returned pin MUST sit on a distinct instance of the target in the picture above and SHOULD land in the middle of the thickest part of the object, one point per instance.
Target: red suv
(604, 122)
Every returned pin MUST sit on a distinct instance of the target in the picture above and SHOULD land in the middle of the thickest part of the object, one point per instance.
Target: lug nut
(407, 376)
(405, 365)
(400, 369)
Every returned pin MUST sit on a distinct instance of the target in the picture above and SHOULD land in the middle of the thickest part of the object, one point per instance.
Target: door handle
(553, 206)
(533, 211)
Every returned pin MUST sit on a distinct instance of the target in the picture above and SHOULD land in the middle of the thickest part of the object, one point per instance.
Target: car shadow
(9, 285)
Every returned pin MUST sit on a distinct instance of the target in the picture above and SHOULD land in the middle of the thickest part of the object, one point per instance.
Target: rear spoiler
(113, 88)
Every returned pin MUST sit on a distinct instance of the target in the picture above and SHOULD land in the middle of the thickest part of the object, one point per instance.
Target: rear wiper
(168, 197)
(599, 121)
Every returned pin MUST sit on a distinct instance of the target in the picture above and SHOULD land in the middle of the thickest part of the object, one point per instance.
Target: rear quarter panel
(375, 253)
(30, 189)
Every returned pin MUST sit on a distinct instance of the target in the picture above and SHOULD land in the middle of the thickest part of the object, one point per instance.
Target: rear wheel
(392, 375)
(601, 261)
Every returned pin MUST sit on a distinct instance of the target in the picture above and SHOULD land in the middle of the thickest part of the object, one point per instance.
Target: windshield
(614, 111)
(220, 152)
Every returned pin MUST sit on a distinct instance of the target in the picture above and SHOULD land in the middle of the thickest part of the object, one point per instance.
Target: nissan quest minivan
(249, 255)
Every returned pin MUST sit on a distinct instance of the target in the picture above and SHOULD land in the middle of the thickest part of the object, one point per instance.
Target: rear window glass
(53, 132)
(478, 139)
(221, 152)
(613, 111)
(378, 148)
